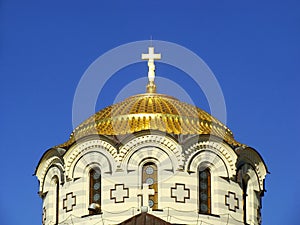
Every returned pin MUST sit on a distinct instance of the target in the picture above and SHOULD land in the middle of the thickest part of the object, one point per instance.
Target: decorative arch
(218, 157)
(163, 148)
(55, 170)
(210, 160)
(89, 156)
(164, 160)
(251, 157)
(247, 172)
(78, 157)
(48, 165)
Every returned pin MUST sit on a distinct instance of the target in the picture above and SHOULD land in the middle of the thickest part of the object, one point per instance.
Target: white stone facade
(64, 180)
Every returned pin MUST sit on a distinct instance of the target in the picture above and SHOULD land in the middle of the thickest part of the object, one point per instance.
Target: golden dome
(151, 111)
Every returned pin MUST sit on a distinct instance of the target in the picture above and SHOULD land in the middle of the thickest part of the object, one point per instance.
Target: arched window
(149, 176)
(95, 189)
(251, 198)
(55, 182)
(258, 210)
(204, 191)
(245, 190)
(243, 180)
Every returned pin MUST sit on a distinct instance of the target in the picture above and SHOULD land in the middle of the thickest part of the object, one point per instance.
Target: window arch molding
(162, 147)
(251, 157)
(139, 155)
(208, 158)
(247, 173)
(93, 157)
(54, 168)
(90, 152)
(220, 155)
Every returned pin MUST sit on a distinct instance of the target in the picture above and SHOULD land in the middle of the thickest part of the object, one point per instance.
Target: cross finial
(151, 56)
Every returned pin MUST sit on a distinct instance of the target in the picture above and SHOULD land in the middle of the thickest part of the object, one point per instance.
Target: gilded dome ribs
(151, 111)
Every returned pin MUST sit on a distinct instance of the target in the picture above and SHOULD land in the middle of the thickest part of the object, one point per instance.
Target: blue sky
(251, 46)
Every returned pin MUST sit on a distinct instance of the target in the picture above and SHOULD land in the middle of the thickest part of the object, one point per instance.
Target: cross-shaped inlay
(180, 193)
(119, 193)
(69, 202)
(232, 201)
